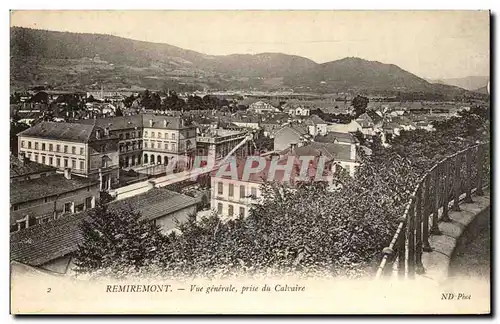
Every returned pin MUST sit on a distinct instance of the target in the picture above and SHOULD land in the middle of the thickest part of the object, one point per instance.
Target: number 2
(49, 289)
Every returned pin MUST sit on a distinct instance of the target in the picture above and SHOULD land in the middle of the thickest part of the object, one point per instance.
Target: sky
(430, 44)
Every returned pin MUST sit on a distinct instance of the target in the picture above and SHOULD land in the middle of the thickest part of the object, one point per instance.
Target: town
(73, 147)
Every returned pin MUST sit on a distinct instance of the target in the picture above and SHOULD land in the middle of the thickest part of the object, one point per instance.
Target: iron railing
(441, 189)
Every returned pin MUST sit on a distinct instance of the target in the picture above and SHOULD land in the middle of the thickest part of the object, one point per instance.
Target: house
(367, 124)
(128, 129)
(88, 150)
(233, 196)
(291, 134)
(296, 110)
(245, 121)
(217, 143)
(262, 106)
(51, 246)
(49, 197)
(337, 154)
(316, 125)
(337, 137)
(147, 139)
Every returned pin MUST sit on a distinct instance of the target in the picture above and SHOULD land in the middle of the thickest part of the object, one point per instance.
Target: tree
(116, 238)
(129, 100)
(308, 230)
(360, 137)
(118, 112)
(359, 104)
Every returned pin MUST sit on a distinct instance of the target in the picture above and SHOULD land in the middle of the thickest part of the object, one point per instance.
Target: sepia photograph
(250, 162)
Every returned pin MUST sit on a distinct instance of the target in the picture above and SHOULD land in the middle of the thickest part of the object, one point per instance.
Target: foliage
(308, 229)
(118, 112)
(359, 104)
(116, 237)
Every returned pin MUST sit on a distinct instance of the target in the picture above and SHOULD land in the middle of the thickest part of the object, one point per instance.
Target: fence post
(457, 182)
(389, 253)
(426, 246)
(468, 176)
(402, 249)
(446, 192)
(480, 153)
(411, 239)
(419, 267)
(435, 213)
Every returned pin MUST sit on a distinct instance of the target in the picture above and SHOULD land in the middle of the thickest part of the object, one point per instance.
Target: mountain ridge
(83, 59)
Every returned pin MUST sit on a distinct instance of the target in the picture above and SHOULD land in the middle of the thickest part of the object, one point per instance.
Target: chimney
(164, 123)
(293, 146)
(150, 123)
(67, 173)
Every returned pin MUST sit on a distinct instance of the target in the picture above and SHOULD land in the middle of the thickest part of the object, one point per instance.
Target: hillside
(87, 61)
(358, 75)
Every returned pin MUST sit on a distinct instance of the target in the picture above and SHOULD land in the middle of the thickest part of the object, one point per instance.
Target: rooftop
(50, 185)
(19, 169)
(331, 137)
(225, 171)
(334, 151)
(74, 132)
(116, 123)
(314, 120)
(39, 244)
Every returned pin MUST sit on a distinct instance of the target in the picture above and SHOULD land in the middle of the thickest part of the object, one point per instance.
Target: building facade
(88, 150)
(291, 134)
(50, 197)
(216, 144)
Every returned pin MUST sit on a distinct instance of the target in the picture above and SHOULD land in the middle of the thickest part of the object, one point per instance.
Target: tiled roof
(156, 203)
(261, 176)
(116, 123)
(39, 244)
(74, 132)
(18, 168)
(47, 186)
(315, 120)
(299, 129)
(337, 152)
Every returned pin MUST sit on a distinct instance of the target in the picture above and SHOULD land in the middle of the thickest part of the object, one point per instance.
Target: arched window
(152, 159)
(145, 158)
(158, 160)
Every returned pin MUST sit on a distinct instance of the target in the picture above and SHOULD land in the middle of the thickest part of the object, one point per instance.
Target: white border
(186, 4)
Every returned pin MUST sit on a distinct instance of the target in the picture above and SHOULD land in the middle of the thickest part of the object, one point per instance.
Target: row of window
(59, 162)
(230, 210)
(160, 135)
(130, 147)
(50, 147)
(220, 190)
(69, 207)
(153, 145)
